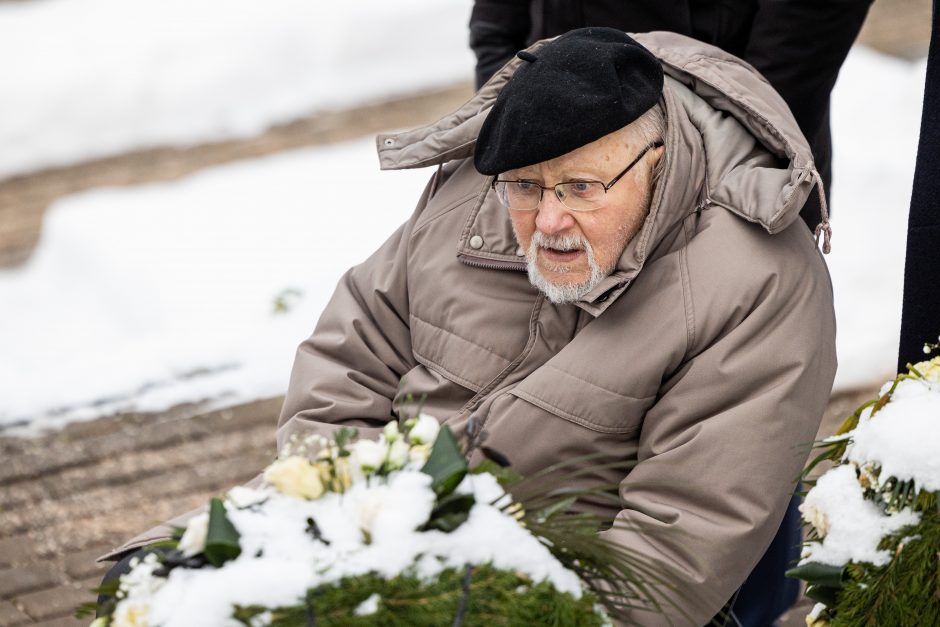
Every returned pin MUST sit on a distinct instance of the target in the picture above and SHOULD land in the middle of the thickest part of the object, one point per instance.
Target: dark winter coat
(798, 45)
(920, 321)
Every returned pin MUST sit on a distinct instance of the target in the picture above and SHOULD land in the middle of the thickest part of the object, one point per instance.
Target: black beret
(573, 90)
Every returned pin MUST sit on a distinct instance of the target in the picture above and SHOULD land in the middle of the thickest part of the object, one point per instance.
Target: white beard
(567, 292)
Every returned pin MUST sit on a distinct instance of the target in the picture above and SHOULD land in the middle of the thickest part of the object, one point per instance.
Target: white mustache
(563, 243)
(561, 292)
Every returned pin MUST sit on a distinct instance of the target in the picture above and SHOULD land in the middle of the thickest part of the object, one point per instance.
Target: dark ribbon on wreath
(465, 598)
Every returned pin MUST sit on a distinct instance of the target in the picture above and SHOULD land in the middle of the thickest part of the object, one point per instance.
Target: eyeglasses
(575, 195)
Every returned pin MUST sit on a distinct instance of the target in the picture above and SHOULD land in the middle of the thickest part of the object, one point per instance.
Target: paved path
(67, 497)
(24, 199)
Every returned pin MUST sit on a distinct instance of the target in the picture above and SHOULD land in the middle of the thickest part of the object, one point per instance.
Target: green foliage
(222, 538)
(86, 610)
(108, 592)
(496, 598)
(285, 300)
(904, 592)
(817, 574)
(504, 475)
(559, 507)
(450, 512)
(446, 464)
(343, 437)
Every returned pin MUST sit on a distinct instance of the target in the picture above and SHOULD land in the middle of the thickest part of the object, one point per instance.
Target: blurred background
(181, 185)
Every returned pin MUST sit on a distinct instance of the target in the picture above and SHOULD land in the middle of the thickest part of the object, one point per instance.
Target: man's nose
(551, 216)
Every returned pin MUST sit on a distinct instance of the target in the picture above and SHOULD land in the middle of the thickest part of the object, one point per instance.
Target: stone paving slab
(25, 578)
(135, 471)
(64, 621)
(14, 550)
(898, 27)
(57, 602)
(82, 565)
(11, 616)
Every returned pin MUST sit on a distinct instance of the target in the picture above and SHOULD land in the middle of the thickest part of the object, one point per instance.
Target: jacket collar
(731, 143)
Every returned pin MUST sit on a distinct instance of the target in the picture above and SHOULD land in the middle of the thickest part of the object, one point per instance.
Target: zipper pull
(702, 204)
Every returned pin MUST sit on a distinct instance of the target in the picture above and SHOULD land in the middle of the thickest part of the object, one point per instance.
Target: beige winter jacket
(707, 357)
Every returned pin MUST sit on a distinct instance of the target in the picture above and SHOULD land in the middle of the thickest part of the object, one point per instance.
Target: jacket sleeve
(347, 373)
(498, 29)
(799, 46)
(720, 451)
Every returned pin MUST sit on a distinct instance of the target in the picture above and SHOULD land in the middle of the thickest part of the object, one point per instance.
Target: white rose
(398, 454)
(930, 370)
(328, 452)
(131, 613)
(193, 541)
(425, 430)
(392, 434)
(816, 517)
(418, 454)
(295, 476)
(368, 455)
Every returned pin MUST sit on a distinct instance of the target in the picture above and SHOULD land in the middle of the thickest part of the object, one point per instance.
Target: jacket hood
(730, 140)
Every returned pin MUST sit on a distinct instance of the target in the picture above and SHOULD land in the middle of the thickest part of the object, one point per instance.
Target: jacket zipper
(474, 431)
(491, 264)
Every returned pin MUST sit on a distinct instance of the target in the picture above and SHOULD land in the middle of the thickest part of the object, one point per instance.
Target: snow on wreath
(394, 531)
(872, 555)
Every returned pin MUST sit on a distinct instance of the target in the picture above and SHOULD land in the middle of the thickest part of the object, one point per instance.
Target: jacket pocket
(455, 358)
(582, 402)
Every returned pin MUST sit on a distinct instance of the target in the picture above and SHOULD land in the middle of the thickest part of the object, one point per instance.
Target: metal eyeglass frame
(555, 187)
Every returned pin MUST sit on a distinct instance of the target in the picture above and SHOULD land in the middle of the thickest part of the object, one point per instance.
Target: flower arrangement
(398, 531)
(873, 547)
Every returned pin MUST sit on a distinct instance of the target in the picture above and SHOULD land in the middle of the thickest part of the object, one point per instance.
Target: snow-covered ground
(150, 296)
(875, 148)
(92, 78)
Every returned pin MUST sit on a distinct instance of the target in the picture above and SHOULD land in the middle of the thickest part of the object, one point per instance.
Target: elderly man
(619, 271)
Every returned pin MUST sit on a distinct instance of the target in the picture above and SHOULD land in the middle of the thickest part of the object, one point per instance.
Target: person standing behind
(798, 45)
(920, 321)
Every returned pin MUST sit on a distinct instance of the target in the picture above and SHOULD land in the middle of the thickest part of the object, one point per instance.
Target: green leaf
(86, 610)
(222, 538)
(445, 464)
(450, 512)
(826, 595)
(178, 532)
(505, 476)
(817, 574)
(555, 508)
(162, 544)
(448, 522)
(345, 435)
